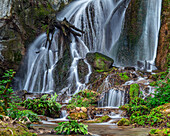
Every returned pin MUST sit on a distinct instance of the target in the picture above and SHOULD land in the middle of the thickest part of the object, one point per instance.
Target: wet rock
(21, 94)
(79, 115)
(99, 61)
(99, 120)
(61, 71)
(130, 68)
(42, 117)
(82, 70)
(84, 109)
(78, 108)
(123, 122)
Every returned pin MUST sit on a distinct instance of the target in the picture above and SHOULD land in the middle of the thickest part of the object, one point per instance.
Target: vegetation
(162, 94)
(6, 91)
(17, 114)
(8, 99)
(134, 91)
(71, 127)
(149, 112)
(44, 106)
(124, 76)
(160, 132)
(84, 98)
(123, 122)
(10, 127)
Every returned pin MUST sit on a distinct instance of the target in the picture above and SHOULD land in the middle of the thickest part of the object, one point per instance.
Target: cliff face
(163, 52)
(20, 23)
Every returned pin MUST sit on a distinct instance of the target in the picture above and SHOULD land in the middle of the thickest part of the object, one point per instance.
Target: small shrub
(71, 127)
(6, 91)
(161, 95)
(124, 76)
(44, 106)
(134, 90)
(160, 132)
(16, 114)
(84, 98)
(136, 106)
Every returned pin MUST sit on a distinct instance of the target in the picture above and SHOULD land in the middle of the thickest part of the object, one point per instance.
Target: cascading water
(5, 8)
(110, 97)
(1, 48)
(102, 21)
(138, 44)
(88, 15)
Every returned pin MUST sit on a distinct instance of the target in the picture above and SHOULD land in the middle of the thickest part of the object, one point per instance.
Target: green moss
(84, 98)
(134, 90)
(160, 132)
(100, 61)
(16, 131)
(124, 76)
(2, 111)
(154, 83)
(123, 122)
(99, 120)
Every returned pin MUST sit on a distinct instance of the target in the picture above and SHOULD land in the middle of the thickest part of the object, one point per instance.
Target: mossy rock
(78, 115)
(9, 127)
(16, 131)
(134, 90)
(99, 62)
(123, 122)
(84, 98)
(99, 120)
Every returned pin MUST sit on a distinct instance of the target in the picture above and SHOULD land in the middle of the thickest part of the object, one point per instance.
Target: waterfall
(40, 61)
(102, 21)
(110, 97)
(127, 50)
(5, 8)
(1, 57)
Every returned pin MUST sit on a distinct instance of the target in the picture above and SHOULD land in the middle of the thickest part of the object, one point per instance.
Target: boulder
(99, 62)
(79, 115)
(123, 122)
(84, 109)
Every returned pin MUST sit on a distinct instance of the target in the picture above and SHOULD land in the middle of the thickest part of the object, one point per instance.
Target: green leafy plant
(137, 106)
(17, 114)
(124, 76)
(84, 98)
(71, 127)
(134, 90)
(161, 95)
(6, 91)
(44, 106)
(160, 132)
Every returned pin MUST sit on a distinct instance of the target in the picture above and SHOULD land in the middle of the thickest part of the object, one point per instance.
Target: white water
(1, 48)
(144, 50)
(151, 32)
(110, 97)
(102, 22)
(5, 8)
(88, 15)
